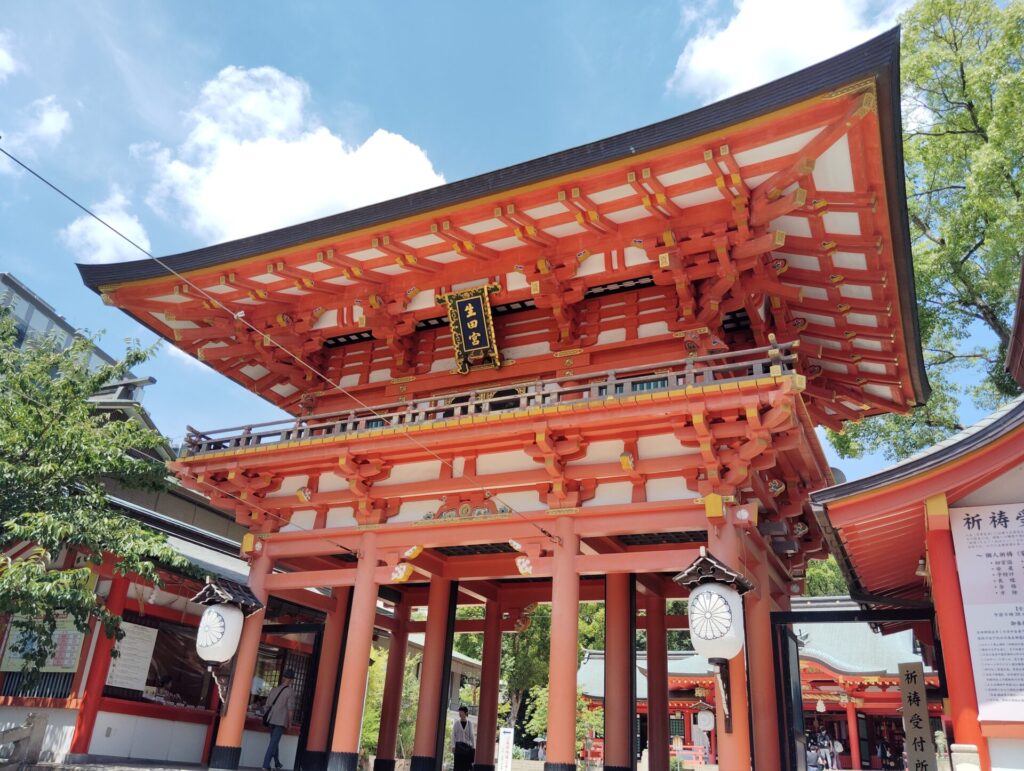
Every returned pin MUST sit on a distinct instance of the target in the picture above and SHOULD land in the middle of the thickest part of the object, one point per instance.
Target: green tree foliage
(524, 657)
(407, 710)
(53, 451)
(824, 579)
(588, 721)
(963, 85)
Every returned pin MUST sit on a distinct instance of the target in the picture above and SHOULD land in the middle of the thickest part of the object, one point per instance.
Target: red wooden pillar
(734, 751)
(98, 670)
(432, 676)
(956, 654)
(490, 685)
(565, 598)
(228, 747)
(348, 721)
(657, 685)
(761, 669)
(326, 678)
(618, 681)
(851, 727)
(391, 702)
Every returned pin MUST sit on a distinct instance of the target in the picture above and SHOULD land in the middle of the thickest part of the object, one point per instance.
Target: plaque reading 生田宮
(469, 313)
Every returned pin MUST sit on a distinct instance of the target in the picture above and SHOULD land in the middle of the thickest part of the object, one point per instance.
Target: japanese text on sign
(989, 545)
(918, 742)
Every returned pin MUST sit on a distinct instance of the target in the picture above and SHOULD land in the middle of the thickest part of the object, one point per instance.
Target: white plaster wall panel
(816, 318)
(629, 215)
(684, 175)
(801, 261)
(418, 242)
(357, 313)
(60, 729)
(521, 501)
(547, 210)
(483, 226)
(349, 380)
(835, 344)
(653, 329)
(503, 462)
(709, 195)
(187, 740)
(515, 281)
(302, 521)
(810, 292)
(458, 466)
(594, 264)
(378, 375)
(612, 194)
(1006, 754)
(504, 244)
(254, 371)
(755, 180)
(412, 511)
(833, 170)
(290, 486)
(611, 336)
(856, 291)
(565, 229)
(442, 365)
(867, 343)
(445, 257)
(525, 351)
(833, 366)
(611, 494)
(314, 267)
(330, 482)
(112, 735)
(885, 392)
(1006, 488)
(151, 738)
(845, 223)
(777, 148)
(660, 446)
(407, 473)
(284, 389)
(669, 489)
(871, 366)
(340, 516)
(180, 324)
(863, 319)
(366, 254)
(603, 452)
(421, 300)
(792, 226)
(254, 745)
(635, 256)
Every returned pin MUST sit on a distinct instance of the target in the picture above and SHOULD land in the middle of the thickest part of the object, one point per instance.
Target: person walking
(813, 763)
(278, 716)
(463, 741)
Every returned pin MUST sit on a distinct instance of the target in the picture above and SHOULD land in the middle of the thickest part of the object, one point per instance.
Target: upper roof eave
(877, 58)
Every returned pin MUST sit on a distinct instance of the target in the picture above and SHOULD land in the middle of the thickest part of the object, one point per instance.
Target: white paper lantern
(706, 720)
(716, 621)
(220, 628)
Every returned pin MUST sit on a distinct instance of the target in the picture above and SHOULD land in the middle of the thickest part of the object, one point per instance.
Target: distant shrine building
(557, 383)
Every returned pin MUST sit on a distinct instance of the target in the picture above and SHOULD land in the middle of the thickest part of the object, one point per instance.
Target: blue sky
(185, 124)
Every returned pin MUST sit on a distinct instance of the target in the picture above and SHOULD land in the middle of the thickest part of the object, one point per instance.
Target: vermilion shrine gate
(672, 312)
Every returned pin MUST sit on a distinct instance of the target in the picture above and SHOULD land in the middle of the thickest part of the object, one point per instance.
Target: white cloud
(766, 39)
(41, 125)
(256, 158)
(92, 242)
(8, 64)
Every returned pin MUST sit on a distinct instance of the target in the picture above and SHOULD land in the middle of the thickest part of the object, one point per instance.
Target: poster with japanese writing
(135, 651)
(917, 741)
(989, 544)
(67, 641)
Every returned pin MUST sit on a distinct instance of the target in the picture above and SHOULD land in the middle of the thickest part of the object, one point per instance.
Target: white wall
(1007, 754)
(60, 728)
(147, 738)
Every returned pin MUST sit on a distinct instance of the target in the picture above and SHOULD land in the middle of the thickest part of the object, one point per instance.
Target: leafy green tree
(524, 657)
(54, 450)
(963, 84)
(588, 721)
(374, 697)
(824, 579)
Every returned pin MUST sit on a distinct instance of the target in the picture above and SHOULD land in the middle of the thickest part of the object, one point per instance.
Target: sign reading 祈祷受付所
(989, 544)
(917, 742)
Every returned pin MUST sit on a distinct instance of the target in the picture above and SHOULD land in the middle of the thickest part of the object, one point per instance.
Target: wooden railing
(695, 371)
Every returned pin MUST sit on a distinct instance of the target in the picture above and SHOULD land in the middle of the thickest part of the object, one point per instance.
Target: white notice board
(989, 544)
(131, 668)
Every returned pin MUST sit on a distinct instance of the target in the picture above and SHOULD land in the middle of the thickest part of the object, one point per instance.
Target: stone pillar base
(965, 757)
(483, 767)
(423, 763)
(314, 760)
(559, 766)
(383, 764)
